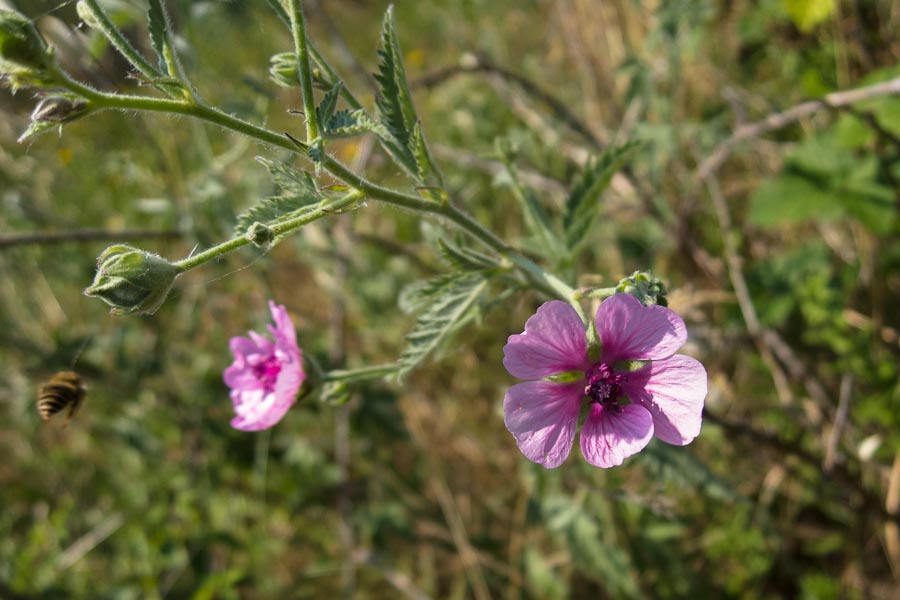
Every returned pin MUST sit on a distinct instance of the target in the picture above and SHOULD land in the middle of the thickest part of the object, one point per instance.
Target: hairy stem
(298, 28)
(462, 220)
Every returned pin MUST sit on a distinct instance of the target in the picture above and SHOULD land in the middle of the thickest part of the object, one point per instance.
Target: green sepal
(131, 280)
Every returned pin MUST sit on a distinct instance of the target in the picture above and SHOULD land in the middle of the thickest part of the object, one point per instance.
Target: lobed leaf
(326, 108)
(395, 107)
(448, 300)
(345, 123)
(462, 258)
(276, 209)
(584, 198)
(289, 179)
(158, 25)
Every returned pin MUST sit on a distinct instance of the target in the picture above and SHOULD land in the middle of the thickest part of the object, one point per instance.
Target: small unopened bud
(58, 109)
(24, 55)
(645, 287)
(283, 69)
(260, 235)
(132, 280)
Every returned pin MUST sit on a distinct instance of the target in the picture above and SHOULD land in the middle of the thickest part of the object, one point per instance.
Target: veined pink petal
(631, 331)
(673, 390)
(542, 416)
(554, 341)
(284, 327)
(610, 435)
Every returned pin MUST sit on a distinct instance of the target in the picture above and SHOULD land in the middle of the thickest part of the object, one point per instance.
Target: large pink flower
(625, 408)
(265, 375)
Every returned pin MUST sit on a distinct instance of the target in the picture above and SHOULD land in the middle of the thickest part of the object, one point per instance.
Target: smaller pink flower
(265, 375)
(624, 408)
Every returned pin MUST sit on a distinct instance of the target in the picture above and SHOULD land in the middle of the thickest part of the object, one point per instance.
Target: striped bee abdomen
(63, 389)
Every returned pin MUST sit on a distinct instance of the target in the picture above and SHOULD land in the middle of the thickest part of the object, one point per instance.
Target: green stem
(298, 27)
(544, 280)
(601, 293)
(281, 228)
(375, 372)
(102, 21)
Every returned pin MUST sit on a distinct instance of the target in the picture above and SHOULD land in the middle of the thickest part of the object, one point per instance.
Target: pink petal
(241, 346)
(257, 410)
(673, 390)
(554, 341)
(631, 331)
(542, 416)
(610, 435)
(284, 327)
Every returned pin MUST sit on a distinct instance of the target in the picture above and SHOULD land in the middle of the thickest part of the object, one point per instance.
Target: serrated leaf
(275, 209)
(326, 108)
(394, 101)
(427, 171)
(588, 186)
(546, 239)
(289, 180)
(462, 258)
(158, 25)
(347, 123)
(450, 300)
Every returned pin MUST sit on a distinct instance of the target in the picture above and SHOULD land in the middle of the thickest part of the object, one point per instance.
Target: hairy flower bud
(260, 235)
(132, 280)
(645, 287)
(24, 55)
(283, 69)
(58, 109)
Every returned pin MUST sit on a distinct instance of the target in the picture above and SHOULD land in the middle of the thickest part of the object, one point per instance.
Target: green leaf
(287, 178)
(394, 101)
(806, 14)
(536, 218)
(426, 169)
(276, 209)
(588, 186)
(159, 26)
(448, 300)
(345, 123)
(326, 108)
(462, 258)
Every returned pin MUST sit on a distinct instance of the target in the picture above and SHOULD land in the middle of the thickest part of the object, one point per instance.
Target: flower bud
(260, 235)
(645, 287)
(132, 280)
(58, 109)
(283, 70)
(24, 55)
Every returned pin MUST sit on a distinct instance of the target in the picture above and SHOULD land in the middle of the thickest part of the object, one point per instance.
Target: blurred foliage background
(782, 251)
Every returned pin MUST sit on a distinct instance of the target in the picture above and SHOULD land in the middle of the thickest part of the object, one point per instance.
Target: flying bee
(66, 388)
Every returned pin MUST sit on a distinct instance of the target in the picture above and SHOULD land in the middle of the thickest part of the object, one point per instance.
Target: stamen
(604, 386)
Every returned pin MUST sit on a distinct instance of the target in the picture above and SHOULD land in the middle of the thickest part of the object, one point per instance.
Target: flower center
(604, 386)
(266, 372)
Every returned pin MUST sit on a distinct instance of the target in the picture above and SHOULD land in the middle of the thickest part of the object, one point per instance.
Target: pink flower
(625, 408)
(265, 376)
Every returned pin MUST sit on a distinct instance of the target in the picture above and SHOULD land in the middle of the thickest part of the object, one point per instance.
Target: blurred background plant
(765, 197)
